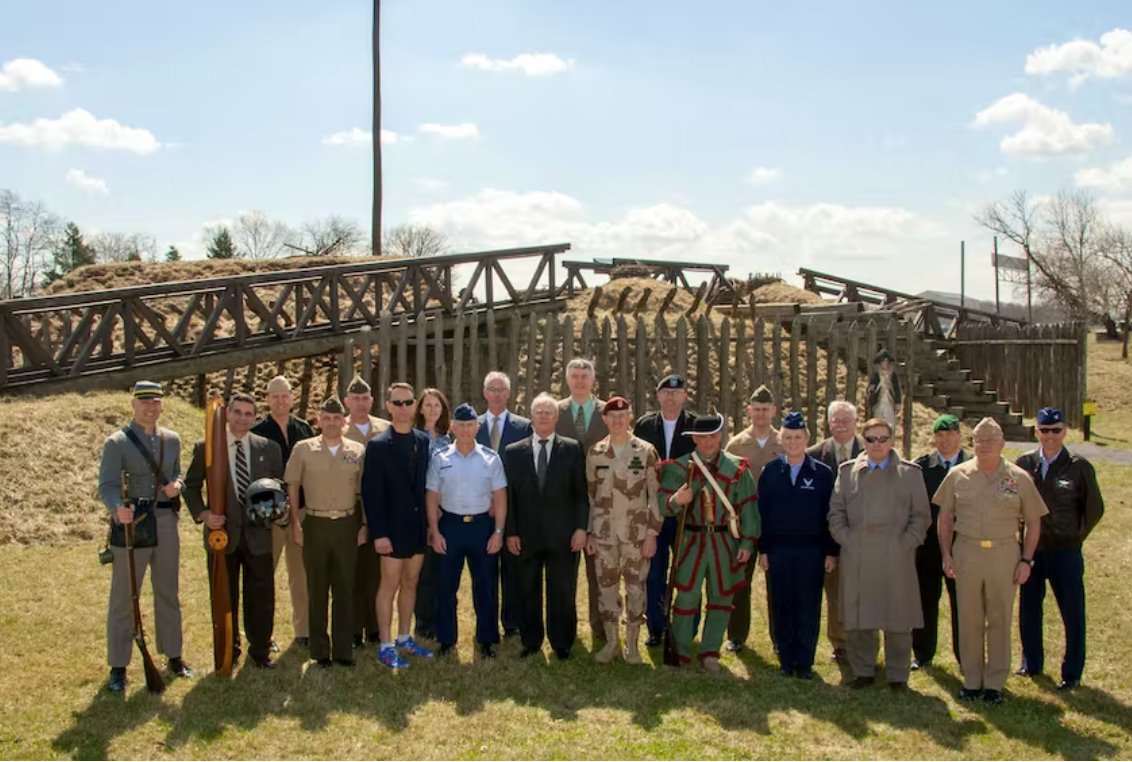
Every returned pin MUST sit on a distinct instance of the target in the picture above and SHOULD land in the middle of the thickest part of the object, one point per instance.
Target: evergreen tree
(221, 246)
(172, 255)
(71, 252)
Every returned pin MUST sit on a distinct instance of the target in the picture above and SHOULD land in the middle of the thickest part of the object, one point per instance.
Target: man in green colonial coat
(721, 527)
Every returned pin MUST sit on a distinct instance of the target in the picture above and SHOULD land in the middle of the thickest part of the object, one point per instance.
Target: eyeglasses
(876, 440)
(402, 403)
(496, 389)
(1050, 430)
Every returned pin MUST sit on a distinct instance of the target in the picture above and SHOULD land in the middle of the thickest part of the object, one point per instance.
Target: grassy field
(52, 701)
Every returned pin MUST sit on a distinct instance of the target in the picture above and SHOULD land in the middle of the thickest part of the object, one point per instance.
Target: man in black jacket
(664, 429)
(1068, 484)
(547, 514)
(929, 559)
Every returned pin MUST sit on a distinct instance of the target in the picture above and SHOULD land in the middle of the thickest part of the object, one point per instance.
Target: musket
(216, 478)
(671, 658)
(153, 681)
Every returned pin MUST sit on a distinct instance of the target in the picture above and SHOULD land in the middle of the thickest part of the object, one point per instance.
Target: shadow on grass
(107, 717)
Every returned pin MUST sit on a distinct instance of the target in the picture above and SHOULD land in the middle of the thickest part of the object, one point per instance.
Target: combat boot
(612, 645)
(632, 655)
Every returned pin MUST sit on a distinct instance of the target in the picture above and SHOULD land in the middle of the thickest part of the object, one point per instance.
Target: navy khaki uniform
(794, 506)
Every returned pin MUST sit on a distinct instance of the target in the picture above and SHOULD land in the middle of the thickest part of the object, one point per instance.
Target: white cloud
(84, 182)
(1045, 131)
(1084, 58)
(358, 136)
(465, 131)
(764, 176)
(431, 183)
(80, 127)
(26, 73)
(530, 64)
(1116, 177)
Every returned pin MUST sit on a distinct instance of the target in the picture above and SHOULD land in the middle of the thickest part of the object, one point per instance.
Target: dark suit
(826, 452)
(544, 519)
(594, 433)
(929, 569)
(650, 427)
(393, 491)
(514, 428)
(249, 547)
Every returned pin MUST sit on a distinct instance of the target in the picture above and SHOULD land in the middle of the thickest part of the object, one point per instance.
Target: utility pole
(375, 215)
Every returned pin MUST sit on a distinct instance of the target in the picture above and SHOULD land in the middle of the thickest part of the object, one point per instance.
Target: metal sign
(1003, 262)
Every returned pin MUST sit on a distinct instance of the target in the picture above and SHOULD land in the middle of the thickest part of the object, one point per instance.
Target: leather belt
(709, 528)
(467, 518)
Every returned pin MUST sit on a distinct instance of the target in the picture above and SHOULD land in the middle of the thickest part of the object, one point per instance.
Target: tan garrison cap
(333, 405)
(762, 396)
(278, 384)
(988, 428)
(358, 386)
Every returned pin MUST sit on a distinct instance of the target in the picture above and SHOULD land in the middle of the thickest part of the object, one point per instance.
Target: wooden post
(776, 360)
(402, 346)
(588, 331)
(345, 366)
(474, 353)
(604, 350)
(547, 364)
(492, 349)
(457, 393)
(795, 370)
(725, 369)
(622, 357)
(420, 352)
(742, 368)
(681, 358)
(642, 375)
(910, 366)
(532, 351)
(811, 379)
(438, 356)
(365, 348)
(703, 367)
(515, 345)
(305, 386)
(384, 355)
(831, 357)
(757, 344)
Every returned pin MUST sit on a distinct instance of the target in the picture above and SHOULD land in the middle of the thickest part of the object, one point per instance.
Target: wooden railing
(673, 272)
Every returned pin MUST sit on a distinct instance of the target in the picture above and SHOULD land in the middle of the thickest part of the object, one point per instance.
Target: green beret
(762, 396)
(945, 422)
(333, 405)
(358, 386)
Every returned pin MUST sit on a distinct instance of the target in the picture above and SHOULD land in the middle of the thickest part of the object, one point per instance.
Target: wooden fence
(1031, 366)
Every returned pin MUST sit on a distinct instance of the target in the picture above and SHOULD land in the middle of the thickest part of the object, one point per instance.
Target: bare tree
(257, 236)
(414, 241)
(30, 233)
(332, 235)
(1117, 255)
(125, 247)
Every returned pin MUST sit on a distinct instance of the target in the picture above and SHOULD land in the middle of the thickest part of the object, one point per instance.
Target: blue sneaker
(414, 648)
(388, 656)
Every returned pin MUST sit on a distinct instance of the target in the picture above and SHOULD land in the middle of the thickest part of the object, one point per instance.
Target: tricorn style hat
(712, 423)
(883, 355)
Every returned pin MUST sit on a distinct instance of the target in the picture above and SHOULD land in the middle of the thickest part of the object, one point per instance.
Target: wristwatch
(498, 530)
(1028, 561)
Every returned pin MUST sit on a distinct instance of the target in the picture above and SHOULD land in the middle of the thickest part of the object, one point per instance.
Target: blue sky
(838, 136)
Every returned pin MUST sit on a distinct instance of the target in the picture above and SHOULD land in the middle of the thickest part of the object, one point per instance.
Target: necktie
(1045, 468)
(580, 422)
(842, 455)
(495, 434)
(543, 459)
(946, 465)
(243, 476)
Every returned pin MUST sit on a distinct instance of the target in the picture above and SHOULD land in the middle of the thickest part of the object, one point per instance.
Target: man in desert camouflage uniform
(624, 523)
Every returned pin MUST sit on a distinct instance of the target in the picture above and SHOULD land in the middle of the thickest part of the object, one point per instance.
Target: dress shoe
(510, 632)
(1027, 672)
(970, 694)
(178, 667)
(786, 671)
(344, 662)
(528, 652)
(652, 641)
(359, 641)
(804, 674)
(487, 650)
(898, 685)
(734, 647)
(303, 642)
(263, 663)
(992, 696)
(117, 681)
(1068, 685)
(424, 633)
(861, 682)
(325, 663)
(562, 653)
(445, 649)
(273, 647)
(918, 664)
(839, 655)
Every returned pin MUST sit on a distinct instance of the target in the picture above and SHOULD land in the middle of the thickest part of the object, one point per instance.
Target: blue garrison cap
(464, 412)
(1048, 416)
(794, 420)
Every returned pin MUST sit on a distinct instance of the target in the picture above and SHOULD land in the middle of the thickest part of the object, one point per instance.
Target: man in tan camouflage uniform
(624, 523)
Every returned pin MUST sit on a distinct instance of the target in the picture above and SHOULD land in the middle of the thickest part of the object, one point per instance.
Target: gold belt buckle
(986, 544)
(467, 518)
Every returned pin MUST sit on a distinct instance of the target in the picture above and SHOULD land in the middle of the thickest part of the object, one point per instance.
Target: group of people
(385, 514)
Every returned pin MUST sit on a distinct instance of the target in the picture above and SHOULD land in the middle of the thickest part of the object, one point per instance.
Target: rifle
(153, 681)
(671, 658)
(216, 478)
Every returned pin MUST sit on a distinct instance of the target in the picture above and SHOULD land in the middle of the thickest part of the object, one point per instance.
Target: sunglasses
(1050, 429)
(876, 440)
(402, 403)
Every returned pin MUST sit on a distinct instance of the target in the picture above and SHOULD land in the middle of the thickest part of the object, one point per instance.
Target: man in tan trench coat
(879, 515)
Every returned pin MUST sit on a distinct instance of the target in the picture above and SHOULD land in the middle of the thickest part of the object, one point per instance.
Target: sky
(853, 138)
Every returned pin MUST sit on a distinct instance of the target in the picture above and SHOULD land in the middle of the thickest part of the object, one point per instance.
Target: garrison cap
(988, 427)
(711, 423)
(616, 405)
(762, 396)
(945, 422)
(794, 420)
(464, 412)
(333, 405)
(148, 390)
(883, 355)
(1048, 416)
(358, 386)
(671, 381)
(278, 384)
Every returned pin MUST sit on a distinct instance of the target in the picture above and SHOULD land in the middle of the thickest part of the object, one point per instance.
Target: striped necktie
(580, 422)
(496, 434)
(243, 476)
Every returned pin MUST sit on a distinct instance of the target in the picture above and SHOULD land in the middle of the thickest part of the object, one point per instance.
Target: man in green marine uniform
(721, 526)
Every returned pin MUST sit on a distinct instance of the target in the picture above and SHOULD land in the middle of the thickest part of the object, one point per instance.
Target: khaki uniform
(746, 445)
(367, 569)
(623, 514)
(986, 550)
(331, 484)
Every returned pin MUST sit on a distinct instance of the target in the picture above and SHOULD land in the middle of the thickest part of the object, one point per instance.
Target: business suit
(512, 429)
(544, 519)
(826, 452)
(594, 433)
(249, 547)
(650, 427)
(393, 491)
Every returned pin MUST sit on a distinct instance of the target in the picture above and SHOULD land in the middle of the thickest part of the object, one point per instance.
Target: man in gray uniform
(148, 458)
